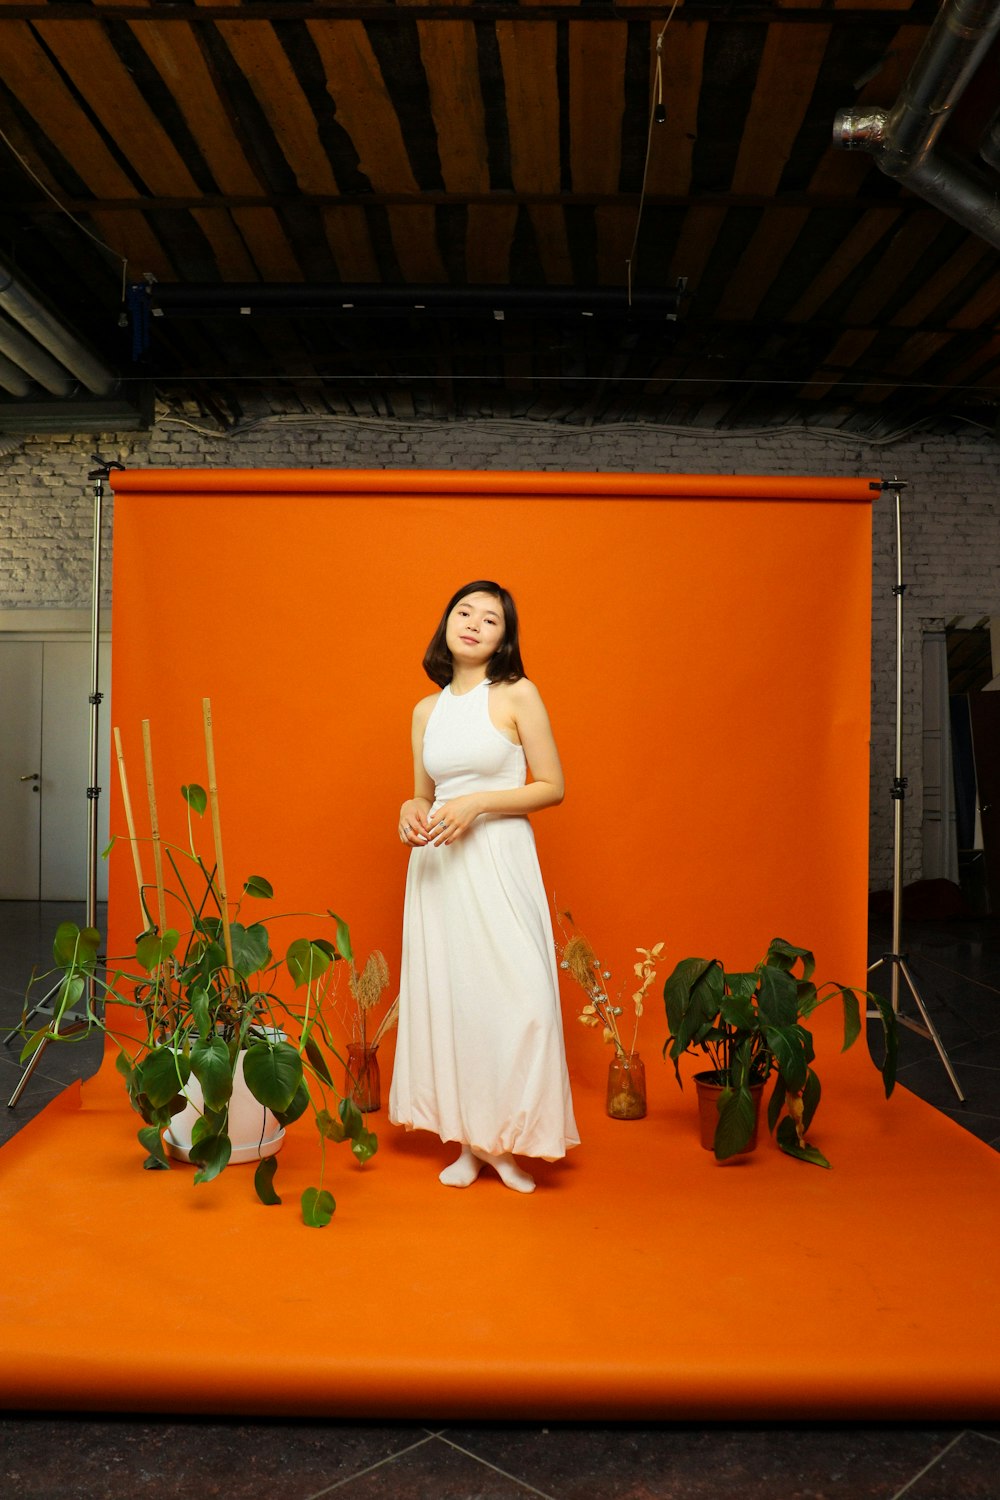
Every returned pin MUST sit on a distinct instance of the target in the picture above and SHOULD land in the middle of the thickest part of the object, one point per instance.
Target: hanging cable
(657, 115)
(514, 426)
(103, 245)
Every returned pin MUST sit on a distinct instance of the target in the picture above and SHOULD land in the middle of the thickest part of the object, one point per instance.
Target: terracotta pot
(709, 1089)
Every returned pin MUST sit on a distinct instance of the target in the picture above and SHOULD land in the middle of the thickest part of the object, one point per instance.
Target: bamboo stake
(161, 902)
(213, 797)
(130, 823)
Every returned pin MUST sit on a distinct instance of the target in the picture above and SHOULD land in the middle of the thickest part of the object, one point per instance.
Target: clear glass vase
(362, 1080)
(626, 1087)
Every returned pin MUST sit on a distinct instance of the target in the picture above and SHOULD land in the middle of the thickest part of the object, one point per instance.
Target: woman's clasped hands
(413, 826)
(420, 825)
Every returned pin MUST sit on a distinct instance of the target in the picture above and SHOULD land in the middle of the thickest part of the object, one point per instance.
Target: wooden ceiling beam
(30, 74)
(42, 207)
(449, 56)
(983, 308)
(364, 109)
(265, 239)
(912, 356)
(86, 55)
(350, 241)
(416, 246)
(838, 365)
(266, 67)
(981, 367)
(908, 246)
(528, 58)
(671, 144)
(870, 229)
(177, 56)
(965, 262)
(761, 262)
(690, 14)
(785, 81)
(549, 223)
(488, 242)
(596, 105)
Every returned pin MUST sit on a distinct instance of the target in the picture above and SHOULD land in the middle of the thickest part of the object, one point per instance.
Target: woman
(480, 1057)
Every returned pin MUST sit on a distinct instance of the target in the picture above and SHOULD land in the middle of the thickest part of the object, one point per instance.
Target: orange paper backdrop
(703, 647)
(702, 644)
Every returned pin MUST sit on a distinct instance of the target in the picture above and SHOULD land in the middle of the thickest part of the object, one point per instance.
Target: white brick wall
(951, 536)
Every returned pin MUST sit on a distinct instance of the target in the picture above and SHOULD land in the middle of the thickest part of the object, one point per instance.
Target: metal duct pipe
(989, 146)
(953, 50)
(860, 129)
(25, 309)
(31, 358)
(12, 378)
(960, 190)
(901, 140)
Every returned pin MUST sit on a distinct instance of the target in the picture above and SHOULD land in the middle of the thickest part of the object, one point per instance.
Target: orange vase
(362, 1080)
(626, 1098)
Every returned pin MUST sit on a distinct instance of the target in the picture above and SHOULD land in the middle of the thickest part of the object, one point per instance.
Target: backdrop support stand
(77, 1020)
(896, 959)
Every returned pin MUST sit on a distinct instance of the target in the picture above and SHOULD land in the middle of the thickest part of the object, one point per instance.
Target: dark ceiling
(430, 209)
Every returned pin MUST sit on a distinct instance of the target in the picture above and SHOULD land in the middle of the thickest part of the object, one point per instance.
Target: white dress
(480, 1055)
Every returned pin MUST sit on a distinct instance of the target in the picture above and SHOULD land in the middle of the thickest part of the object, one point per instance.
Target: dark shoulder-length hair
(504, 665)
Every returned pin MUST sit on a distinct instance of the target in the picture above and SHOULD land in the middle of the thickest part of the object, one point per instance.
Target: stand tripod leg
(30, 1067)
(77, 1023)
(928, 1029)
(41, 1009)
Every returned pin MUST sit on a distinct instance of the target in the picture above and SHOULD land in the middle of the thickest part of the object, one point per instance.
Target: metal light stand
(896, 959)
(77, 1020)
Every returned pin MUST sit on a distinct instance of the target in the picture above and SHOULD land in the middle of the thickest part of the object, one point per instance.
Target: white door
(20, 769)
(45, 708)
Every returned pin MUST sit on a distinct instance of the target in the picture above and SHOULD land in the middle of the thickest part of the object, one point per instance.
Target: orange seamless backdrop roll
(702, 644)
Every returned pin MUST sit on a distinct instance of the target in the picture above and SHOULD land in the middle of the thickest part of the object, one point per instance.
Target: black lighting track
(296, 298)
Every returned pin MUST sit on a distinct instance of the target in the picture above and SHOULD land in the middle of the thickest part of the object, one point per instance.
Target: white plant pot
(253, 1130)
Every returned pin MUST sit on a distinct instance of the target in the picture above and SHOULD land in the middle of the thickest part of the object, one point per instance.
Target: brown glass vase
(626, 1087)
(362, 1080)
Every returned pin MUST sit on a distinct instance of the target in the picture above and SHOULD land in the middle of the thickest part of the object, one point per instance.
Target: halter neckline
(468, 691)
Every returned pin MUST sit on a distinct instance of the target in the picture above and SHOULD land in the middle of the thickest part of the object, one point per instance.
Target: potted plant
(626, 1096)
(749, 1026)
(218, 1015)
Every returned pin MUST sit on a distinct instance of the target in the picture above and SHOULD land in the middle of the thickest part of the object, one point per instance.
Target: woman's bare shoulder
(422, 712)
(520, 693)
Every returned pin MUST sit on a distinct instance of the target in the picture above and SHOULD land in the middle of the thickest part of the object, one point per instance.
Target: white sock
(463, 1170)
(507, 1169)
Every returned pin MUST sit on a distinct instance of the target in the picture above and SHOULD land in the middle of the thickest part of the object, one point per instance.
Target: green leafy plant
(748, 1025)
(209, 992)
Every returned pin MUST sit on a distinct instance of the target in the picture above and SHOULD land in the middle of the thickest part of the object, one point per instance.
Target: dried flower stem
(578, 958)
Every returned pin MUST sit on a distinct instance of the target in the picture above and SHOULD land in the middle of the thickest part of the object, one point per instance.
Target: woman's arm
(525, 713)
(413, 828)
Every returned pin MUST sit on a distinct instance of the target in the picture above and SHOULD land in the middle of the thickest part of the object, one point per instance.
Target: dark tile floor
(956, 968)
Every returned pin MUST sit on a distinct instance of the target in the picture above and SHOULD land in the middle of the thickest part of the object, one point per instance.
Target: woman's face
(475, 629)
